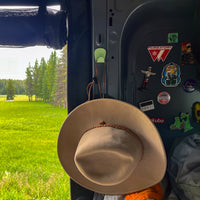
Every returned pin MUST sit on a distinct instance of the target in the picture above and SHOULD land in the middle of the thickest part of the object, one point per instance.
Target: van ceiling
(29, 2)
(23, 27)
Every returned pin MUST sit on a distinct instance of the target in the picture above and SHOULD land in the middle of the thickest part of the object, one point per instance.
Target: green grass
(17, 97)
(29, 165)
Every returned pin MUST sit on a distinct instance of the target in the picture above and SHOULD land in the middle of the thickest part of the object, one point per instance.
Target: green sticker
(172, 37)
(182, 122)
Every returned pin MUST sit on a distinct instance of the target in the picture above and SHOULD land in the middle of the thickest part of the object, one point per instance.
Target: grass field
(29, 165)
(17, 98)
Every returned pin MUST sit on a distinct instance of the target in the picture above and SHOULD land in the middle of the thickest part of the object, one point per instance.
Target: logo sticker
(190, 85)
(146, 105)
(171, 75)
(163, 98)
(187, 57)
(172, 37)
(157, 120)
(196, 112)
(159, 52)
(182, 122)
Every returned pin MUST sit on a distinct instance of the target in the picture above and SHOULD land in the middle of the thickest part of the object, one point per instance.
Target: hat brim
(150, 169)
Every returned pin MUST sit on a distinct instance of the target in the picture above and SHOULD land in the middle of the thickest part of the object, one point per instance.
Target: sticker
(172, 37)
(171, 75)
(159, 52)
(189, 85)
(146, 105)
(196, 111)
(163, 98)
(187, 57)
(147, 75)
(157, 120)
(182, 123)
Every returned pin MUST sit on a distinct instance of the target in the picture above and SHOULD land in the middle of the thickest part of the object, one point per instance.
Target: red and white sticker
(157, 120)
(163, 98)
(159, 52)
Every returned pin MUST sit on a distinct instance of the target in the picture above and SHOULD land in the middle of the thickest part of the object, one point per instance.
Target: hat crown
(108, 155)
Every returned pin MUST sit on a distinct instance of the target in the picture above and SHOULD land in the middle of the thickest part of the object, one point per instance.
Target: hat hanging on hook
(111, 147)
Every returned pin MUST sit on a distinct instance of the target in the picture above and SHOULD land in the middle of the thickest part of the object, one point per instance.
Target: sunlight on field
(30, 168)
(2, 97)
(18, 186)
(17, 98)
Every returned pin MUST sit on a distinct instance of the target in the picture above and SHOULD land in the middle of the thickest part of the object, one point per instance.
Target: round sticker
(189, 85)
(163, 98)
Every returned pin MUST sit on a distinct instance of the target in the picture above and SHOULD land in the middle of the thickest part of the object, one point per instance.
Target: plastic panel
(137, 25)
(128, 28)
(149, 26)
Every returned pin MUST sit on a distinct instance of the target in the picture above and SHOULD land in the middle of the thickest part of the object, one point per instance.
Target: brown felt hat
(111, 147)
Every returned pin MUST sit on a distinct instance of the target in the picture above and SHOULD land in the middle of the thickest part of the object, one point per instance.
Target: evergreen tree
(45, 90)
(29, 82)
(42, 69)
(41, 79)
(51, 75)
(3, 83)
(10, 89)
(60, 98)
(36, 89)
(19, 86)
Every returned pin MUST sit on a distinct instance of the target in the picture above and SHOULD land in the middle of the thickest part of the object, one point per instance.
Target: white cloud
(14, 61)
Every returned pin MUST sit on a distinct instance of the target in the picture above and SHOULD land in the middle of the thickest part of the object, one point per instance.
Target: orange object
(154, 192)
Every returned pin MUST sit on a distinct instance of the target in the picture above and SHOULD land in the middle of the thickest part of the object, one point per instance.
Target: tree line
(19, 86)
(47, 80)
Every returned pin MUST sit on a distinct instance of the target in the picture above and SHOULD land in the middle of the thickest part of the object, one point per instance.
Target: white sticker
(146, 105)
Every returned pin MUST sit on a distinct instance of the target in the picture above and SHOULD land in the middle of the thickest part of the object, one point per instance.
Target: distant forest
(20, 87)
(47, 80)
